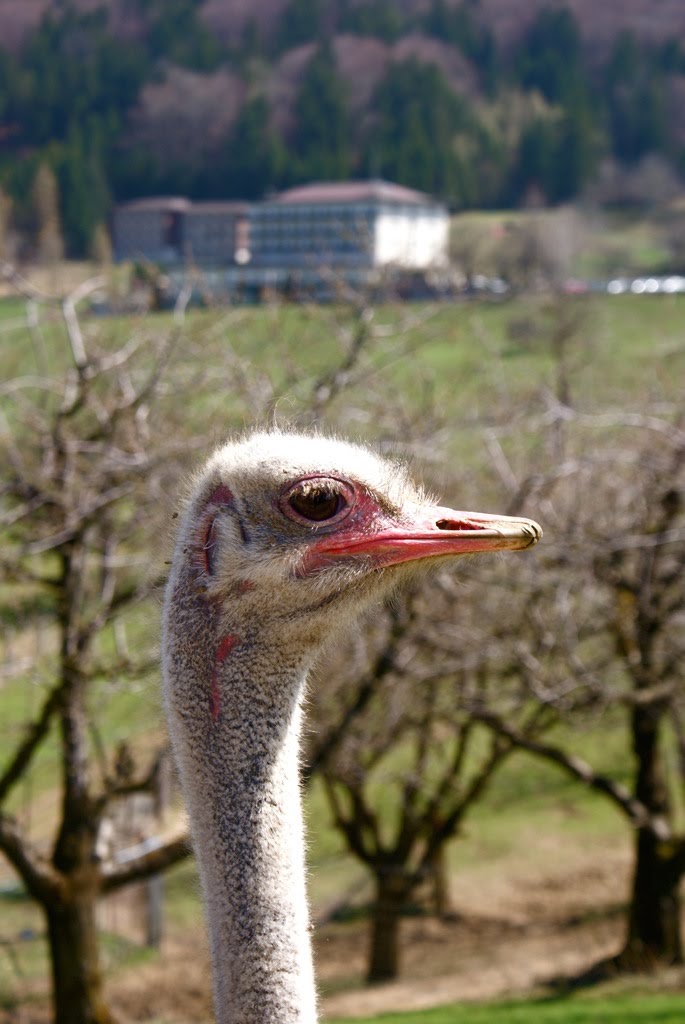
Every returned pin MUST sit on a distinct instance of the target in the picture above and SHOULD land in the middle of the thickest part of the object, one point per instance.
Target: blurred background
(456, 231)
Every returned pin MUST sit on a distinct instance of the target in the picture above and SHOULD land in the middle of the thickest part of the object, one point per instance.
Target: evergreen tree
(254, 156)
(670, 57)
(301, 22)
(72, 69)
(575, 156)
(556, 153)
(416, 129)
(537, 159)
(251, 45)
(460, 27)
(556, 156)
(83, 190)
(379, 18)
(550, 58)
(321, 141)
(419, 117)
(176, 33)
(5, 218)
(636, 101)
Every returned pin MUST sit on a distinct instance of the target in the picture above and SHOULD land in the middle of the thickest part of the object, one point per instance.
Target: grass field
(656, 1009)
(539, 852)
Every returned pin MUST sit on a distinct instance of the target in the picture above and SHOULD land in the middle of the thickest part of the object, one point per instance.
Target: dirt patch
(513, 929)
(509, 934)
(474, 959)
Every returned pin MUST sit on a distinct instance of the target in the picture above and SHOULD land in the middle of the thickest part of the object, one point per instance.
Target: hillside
(484, 103)
(653, 21)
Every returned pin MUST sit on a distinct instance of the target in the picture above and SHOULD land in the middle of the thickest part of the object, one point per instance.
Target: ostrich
(285, 539)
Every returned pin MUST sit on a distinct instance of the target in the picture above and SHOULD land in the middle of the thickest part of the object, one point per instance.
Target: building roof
(161, 204)
(217, 206)
(354, 192)
(179, 204)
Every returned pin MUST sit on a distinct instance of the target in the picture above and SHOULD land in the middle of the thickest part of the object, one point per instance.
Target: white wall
(413, 239)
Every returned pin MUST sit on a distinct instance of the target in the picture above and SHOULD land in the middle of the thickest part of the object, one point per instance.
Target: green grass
(469, 356)
(626, 1009)
(12, 309)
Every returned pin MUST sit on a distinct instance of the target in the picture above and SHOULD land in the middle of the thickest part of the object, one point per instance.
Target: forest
(110, 119)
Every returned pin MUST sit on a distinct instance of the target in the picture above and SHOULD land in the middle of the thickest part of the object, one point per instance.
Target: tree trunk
(654, 937)
(654, 917)
(393, 889)
(440, 889)
(78, 996)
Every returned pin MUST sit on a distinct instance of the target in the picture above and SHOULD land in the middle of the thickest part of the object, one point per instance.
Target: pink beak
(429, 531)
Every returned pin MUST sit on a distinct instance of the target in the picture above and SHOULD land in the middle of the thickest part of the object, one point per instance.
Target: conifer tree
(5, 215)
(84, 192)
(322, 139)
(254, 156)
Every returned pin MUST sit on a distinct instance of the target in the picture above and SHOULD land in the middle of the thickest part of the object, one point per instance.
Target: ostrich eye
(317, 503)
(317, 500)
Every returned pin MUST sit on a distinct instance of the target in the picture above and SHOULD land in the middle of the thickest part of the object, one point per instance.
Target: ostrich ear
(206, 538)
(429, 531)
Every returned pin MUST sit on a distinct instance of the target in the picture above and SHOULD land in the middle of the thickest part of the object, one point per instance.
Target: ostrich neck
(235, 727)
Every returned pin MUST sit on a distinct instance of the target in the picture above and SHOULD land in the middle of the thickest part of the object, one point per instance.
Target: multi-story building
(306, 237)
(349, 225)
(216, 234)
(172, 230)
(150, 229)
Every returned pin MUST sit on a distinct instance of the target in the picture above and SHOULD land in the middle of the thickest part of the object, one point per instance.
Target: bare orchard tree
(406, 762)
(588, 628)
(92, 449)
(402, 760)
(86, 457)
(605, 634)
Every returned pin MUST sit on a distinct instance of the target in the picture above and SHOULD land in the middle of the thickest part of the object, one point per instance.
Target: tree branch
(144, 861)
(42, 880)
(448, 826)
(26, 749)
(116, 789)
(632, 808)
(78, 349)
(383, 664)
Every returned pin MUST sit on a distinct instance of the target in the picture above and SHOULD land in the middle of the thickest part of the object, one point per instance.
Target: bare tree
(405, 762)
(591, 625)
(604, 634)
(85, 463)
(91, 451)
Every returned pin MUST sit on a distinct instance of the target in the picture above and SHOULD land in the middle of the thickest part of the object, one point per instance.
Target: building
(342, 226)
(149, 229)
(174, 231)
(307, 238)
(215, 234)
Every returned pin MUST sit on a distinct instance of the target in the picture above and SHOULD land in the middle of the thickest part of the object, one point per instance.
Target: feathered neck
(234, 707)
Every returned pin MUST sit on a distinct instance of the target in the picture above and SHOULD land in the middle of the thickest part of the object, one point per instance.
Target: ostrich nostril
(457, 524)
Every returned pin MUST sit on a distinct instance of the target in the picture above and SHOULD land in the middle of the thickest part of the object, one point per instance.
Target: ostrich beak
(430, 531)
(433, 531)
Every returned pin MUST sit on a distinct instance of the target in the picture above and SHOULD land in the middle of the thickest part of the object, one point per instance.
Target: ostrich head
(285, 539)
(302, 530)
